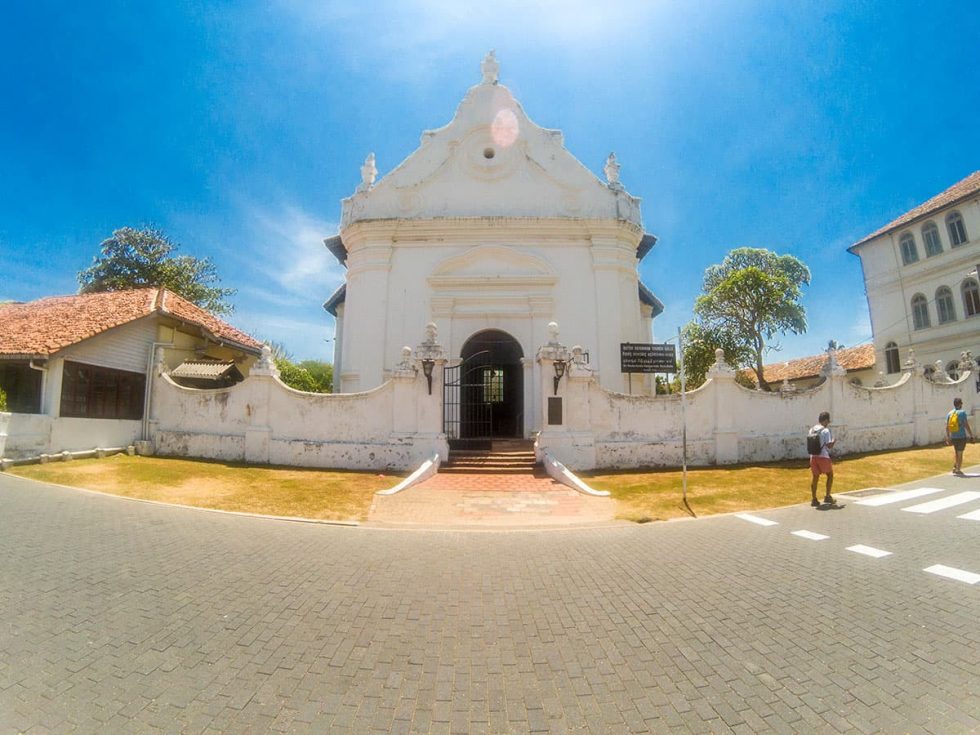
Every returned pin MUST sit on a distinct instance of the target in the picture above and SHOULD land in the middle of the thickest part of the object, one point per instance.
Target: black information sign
(554, 411)
(635, 357)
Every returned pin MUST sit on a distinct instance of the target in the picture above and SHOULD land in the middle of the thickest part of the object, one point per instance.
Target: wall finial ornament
(429, 349)
(720, 368)
(369, 172)
(490, 68)
(553, 350)
(911, 363)
(832, 367)
(553, 333)
(966, 362)
(266, 364)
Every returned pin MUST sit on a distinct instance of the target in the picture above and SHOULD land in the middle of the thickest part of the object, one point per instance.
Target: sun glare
(505, 128)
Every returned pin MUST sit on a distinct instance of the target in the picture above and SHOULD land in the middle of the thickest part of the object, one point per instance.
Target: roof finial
(490, 68)
(612, 171)
(369, 172)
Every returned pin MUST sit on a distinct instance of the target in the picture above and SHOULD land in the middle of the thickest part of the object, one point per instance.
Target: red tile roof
(43, 327)
(957, 192)
(861, 357)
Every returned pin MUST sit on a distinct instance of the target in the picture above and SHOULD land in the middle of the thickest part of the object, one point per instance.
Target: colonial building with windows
(920, 275)
(491, 230)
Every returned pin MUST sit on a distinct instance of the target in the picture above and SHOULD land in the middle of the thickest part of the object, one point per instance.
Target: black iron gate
(471, 391)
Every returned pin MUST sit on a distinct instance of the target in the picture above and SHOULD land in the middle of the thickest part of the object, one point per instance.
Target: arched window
(971, 297)
(920, 312)
(892, 364)
(909, 252)
(957, 230)
(930, 236)
(944, 305)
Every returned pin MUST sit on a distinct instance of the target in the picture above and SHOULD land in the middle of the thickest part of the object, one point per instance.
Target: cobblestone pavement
(120, 616)
(472, 499)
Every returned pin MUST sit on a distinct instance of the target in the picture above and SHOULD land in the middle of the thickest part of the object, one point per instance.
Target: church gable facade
(490, 230)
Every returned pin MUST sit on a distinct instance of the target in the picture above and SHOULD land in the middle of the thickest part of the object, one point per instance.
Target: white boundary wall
(31, 434)
(727, 423)
(397, 425)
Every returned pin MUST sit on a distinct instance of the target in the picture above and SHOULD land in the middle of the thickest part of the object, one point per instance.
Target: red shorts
(821, 465)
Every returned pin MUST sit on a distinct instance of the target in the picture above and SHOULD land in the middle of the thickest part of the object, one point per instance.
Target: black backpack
(813, 444)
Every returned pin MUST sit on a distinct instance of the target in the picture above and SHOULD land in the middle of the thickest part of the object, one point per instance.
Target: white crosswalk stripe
(974, 516)
(898, 497)
(756, 519)
(953, 573)
(869, 551)
(949, 501)
(810, 535)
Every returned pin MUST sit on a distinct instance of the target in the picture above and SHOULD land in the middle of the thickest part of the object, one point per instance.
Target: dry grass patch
(653, 495)
(281, 491)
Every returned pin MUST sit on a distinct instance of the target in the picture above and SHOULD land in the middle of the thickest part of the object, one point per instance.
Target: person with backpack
(957, 430)
(819, 442)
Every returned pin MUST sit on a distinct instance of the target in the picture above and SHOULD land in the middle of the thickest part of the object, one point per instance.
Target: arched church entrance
(484, 394)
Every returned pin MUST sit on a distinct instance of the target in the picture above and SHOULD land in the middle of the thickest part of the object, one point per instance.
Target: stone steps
(510, 457)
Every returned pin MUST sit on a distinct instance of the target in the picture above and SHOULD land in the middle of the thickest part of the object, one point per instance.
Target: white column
(338, 349)
(723, 389)
(368, 264)
(617, 315)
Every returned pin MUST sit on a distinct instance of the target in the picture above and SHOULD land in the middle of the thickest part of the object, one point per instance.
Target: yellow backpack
(953, 422)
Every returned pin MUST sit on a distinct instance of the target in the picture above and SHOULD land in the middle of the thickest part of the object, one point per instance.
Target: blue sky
(237, 127)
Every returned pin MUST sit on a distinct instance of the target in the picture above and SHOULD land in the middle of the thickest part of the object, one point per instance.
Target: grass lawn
(655, 495)
(281, 491)
(642, 495)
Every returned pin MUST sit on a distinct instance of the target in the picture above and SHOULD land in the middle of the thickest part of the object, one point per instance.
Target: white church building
(490, 230)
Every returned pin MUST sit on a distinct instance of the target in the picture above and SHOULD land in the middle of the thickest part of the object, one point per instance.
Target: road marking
(898, 497)
(952, 573)
(974, 516)
(868, 551)
(933, 505)
(755, 519)
(810, 535)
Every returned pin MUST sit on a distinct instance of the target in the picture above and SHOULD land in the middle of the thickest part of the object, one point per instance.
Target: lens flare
(505, 128)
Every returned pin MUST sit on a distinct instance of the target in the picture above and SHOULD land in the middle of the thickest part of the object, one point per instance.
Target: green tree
(752, 296)
(3, 400)
(310, 376)
(322, 373)
(700, 343)
(134, 258)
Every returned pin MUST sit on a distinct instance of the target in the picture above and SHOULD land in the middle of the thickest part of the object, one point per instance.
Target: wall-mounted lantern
(559, 372)
(427, 365)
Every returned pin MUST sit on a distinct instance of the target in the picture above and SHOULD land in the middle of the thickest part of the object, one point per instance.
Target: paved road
(119, 616)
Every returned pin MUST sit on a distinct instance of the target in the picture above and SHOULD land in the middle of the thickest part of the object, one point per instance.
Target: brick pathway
(125, 617)
(486, 500)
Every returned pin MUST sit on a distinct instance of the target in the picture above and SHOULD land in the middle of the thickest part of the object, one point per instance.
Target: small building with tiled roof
(922, 284)
(805, 372)
(77, 369)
